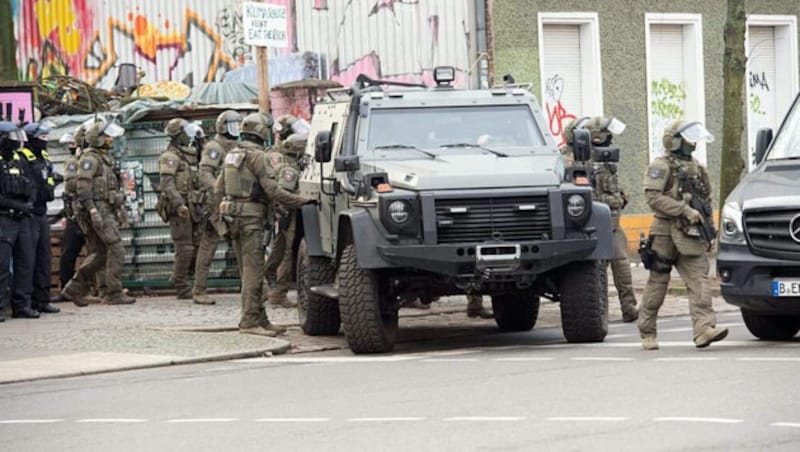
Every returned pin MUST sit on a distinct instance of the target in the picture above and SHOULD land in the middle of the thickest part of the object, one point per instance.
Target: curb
(278, 349)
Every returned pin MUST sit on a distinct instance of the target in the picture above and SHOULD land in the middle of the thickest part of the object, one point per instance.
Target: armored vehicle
(759, 246)
(428, 192)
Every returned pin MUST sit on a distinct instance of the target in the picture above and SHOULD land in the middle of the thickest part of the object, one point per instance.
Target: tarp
(223, 93)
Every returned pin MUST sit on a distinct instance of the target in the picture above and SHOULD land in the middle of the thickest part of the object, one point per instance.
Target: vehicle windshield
(454, 129)
(787, 143)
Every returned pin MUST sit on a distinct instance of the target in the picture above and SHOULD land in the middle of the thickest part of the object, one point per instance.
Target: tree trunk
(8, 43)
(734, 64)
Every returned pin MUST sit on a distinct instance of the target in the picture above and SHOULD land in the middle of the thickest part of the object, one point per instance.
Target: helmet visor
(301, 127)
(67, 138)
(232, 128)
(18, 135)
(695, 133)
(616, 127)
(113, 130)
(193, 130)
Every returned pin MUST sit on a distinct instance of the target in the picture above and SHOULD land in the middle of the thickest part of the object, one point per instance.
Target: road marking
(293, 419)
(31, 421)
(111, 421)
(768, 359)
(450, 360)
(619, 336)
(484, 419)
(712, 420)
(587, 419)
(786, 424)
(386, 419)
(599, 358)
(329, 359)
(210, 420)
(513, 360)
(451, 352)
(662, 344)
(687, 358)
(680, 330)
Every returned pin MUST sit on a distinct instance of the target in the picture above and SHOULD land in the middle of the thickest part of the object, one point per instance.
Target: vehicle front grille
(768, 232)
(482, 219)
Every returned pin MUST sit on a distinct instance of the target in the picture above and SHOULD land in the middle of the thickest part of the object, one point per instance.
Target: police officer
(608, 191)
(248, 184)
(213, 155)
(100, 215)
(293, 135)
(181, 199)
(16, 207)
(44, 178)
(569, 138)
(674, 237)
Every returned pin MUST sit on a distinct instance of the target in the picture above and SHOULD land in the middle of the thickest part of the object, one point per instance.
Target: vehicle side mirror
(763, 140)
(322, 147)
(347, 163)
(582, 145)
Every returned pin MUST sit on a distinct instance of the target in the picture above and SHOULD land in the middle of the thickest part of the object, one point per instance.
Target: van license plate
(786, 288)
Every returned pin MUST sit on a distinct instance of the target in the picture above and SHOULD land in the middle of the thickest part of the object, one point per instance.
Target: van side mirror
(347, 163)
(322, 147)
(763, 140)
(582, 145)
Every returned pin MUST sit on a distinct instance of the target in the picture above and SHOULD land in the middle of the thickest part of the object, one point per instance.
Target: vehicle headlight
(731, 225)
(576, 206)
(399, 211)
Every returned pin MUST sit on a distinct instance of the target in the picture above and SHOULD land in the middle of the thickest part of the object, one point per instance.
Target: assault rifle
(692, 189)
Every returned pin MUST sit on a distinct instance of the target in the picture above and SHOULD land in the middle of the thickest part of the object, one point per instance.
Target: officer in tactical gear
(17, 196)
(670, 182)
(292, 134)
(227, 130)
(44, 178)
(569, 138)
(101, 211)
(181, 202)
(249, 186)
(608, 191)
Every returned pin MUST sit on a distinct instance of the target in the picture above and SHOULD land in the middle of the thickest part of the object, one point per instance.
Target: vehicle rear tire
(515, 311)
(583, 287)
(370, 324)
(771, 327)
(318, 315)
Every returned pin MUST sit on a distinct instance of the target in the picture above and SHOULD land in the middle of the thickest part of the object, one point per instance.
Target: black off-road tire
(515, 311)
(583, 289)
(318, 315)
(771, 327)
(367, 327)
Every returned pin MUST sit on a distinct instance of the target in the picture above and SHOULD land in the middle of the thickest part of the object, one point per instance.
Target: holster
(651, 260)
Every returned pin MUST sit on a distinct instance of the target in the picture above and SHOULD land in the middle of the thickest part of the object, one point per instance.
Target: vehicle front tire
(515, 311)
(771, 327)
(583, 288)
(318, 315)
(370, 324)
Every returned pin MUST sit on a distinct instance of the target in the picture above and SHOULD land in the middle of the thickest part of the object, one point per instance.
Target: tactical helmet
(38, 130)
(228, 123)
(295, 144)
(80, 136)
(175, 126)
(679, 131)
(290, 124)
(256, 124)
(579, 123)
(11, 132)
(96, 133)
(603, 129)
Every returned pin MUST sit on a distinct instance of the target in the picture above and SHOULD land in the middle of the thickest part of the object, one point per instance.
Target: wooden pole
(262, 61)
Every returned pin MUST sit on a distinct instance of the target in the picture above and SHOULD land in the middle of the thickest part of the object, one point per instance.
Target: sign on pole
(265, 25)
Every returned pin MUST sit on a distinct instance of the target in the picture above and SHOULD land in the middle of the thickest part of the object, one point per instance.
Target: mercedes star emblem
(794, 228)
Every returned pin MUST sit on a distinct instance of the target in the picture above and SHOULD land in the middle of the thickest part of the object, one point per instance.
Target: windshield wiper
(406, 146)
(477, 146)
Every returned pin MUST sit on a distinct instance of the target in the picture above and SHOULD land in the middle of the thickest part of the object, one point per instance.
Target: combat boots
(280, 300)
(122, 298)
(203, 299)
(711, 334)
(475, 308)
(649, 343)
(258, 331)
(75, 291)
(630, 315)
(269, 326)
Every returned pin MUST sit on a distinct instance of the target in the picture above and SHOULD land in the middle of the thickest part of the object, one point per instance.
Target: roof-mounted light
(444, 75)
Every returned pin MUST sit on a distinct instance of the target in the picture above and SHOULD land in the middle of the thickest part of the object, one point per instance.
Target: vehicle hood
(772, 184)
(471, 171)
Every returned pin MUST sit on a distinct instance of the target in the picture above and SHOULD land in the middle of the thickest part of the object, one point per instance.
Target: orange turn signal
(384, 188)
(581, 180)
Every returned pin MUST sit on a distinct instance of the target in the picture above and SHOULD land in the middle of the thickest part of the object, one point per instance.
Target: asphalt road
(487, 392)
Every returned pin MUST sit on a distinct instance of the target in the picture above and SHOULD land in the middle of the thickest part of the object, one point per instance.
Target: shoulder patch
(289, 176)
(275, 159)
(213, 154)
(656, 173)
(72, 166)
(86, 165)
(172, 162)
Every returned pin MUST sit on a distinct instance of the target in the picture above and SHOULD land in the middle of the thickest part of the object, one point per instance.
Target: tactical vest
(105, 184)
(685, 174)
(42, 170)
(13, 181)
(186, 177)
(240, 182)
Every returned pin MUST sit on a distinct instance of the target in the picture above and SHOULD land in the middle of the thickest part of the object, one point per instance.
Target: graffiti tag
(557, 114)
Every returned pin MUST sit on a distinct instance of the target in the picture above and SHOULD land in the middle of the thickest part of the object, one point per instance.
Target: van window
(787, 143)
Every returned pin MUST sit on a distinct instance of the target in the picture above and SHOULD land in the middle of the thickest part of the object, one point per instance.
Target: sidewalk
(162, 331)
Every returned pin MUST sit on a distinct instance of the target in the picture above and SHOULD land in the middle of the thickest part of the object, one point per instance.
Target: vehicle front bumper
(749, 284)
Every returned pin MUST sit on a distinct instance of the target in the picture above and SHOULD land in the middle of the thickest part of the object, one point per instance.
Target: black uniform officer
(45, 178)
(16, 206)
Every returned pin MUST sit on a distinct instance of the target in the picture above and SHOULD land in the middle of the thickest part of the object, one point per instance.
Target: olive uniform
(211, 161)
(181, 204)
(248, 184)
(675, 242)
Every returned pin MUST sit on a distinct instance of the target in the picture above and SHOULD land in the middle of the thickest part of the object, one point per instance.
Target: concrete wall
(624, 71)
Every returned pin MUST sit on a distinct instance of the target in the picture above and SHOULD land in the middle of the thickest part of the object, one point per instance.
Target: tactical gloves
(183, 212)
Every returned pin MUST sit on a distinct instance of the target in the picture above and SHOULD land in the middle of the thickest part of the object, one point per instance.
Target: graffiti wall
(194, 42)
